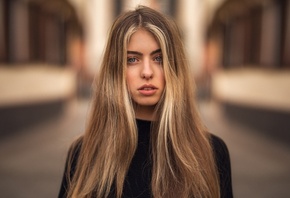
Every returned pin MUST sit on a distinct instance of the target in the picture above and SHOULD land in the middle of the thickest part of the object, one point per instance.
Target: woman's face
(144, 74)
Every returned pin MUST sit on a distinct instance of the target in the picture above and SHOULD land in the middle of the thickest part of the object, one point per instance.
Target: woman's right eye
(131, 60)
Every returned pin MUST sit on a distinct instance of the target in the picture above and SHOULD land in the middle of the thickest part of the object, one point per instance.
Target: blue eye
(158, 59)
(131, 60)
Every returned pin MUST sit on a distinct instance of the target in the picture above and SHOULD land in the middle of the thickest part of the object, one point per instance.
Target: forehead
(143, 39)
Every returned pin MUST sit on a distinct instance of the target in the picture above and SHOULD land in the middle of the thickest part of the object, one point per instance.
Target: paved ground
(32, 160)
(260, 163)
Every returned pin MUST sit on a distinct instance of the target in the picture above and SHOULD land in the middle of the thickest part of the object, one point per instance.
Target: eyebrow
(139, 53)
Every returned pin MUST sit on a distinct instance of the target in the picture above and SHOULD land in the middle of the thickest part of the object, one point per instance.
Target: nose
(147, 72)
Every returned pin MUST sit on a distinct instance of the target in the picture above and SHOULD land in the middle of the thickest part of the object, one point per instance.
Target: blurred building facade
(40, 50)
(253, 33)
(36, 31)
(238, 49)
(247, 62)
(49, 50)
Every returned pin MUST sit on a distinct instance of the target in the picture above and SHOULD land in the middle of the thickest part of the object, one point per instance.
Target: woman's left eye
(158, 59)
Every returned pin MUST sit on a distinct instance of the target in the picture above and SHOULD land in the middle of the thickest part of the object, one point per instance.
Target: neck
(145, 113)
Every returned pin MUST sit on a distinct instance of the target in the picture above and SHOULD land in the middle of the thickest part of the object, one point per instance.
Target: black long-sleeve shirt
(138, 180)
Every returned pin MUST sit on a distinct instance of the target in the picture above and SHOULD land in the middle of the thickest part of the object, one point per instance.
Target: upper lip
(147, 86)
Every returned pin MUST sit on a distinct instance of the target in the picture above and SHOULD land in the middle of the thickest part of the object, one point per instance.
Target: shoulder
(219, 147)
(73, 155)
(75, 147)
(221, 155)
(223, 164)
(70, 166)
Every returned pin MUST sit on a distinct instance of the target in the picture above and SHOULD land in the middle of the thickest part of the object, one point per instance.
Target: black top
(138, 179)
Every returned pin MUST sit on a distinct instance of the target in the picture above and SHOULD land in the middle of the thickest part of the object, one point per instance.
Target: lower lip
(147, 92)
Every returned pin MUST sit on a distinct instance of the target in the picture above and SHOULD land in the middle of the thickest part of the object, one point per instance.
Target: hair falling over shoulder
(183, 160)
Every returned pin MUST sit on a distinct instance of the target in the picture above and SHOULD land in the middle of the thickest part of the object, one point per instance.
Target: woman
(144, 137)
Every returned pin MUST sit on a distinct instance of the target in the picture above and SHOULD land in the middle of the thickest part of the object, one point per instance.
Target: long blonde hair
(183, 160)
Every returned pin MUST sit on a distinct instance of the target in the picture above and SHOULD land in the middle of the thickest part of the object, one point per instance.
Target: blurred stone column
(97, 17)
(191, 18)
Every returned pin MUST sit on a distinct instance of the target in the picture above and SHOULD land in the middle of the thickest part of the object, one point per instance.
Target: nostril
(147, 76)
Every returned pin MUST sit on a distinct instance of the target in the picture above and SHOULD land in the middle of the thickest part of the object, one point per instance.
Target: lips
(147, 90)
(147, 87)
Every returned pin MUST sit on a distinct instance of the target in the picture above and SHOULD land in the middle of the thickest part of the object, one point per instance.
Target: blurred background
(50, 52)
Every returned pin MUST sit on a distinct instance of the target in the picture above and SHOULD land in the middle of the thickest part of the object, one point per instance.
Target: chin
(147, 103)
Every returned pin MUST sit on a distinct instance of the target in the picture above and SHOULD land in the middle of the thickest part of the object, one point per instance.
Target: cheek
(129, 80)
(162, 78)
